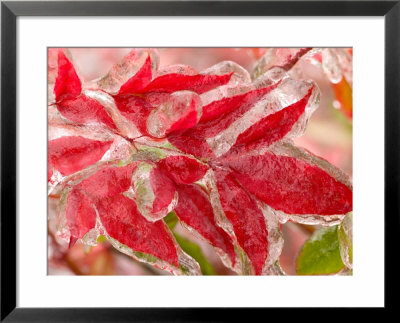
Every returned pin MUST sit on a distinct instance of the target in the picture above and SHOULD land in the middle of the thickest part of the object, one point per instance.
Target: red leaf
(246, 218)
(292, 185)
(271, 128)
(71, 154)
(179, 112)
(135, 109)
(234, 108)
(80, 215)
(138, 81)
(109, 181)
(67, 85)
(49, 173)
(84, 109)
(163, 188)
(191, 144)
(187, 120)
(222, 107)
(194, 208)
(182, 169)
(178, 82)
(123, 222)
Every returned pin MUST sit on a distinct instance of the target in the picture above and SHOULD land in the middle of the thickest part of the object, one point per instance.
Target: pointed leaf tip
(67, 84)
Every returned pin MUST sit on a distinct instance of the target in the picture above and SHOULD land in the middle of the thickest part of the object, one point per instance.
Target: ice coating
(182, 111)
(216, 117)
(122, 220)
(108, 181)
(288, 122)
(174, 82)
(195, 210)
(345, 233)
(153, 191)
(136, 110)
(85, 109)
(163, 253)
(125, 128)
(331, 66)
(80, 214)
(59, 126)
(121, 150)
(239, 74)
(139, 80)
(177, 69)
(182, 169)
(345, 60)
(67, 84)
(121, 72)
(291, 185)
(284, 58)
(264, 118)
(247, 219)
(71, 154)
(275, 241)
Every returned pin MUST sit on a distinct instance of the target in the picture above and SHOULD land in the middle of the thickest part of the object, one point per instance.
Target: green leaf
(345, 233)
(189, 247)
(320, 255)
(195, 252)
(101, 239)
(171, 220)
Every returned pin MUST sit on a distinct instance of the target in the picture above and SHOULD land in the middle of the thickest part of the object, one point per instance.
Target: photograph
(191, 161)
(200, 161)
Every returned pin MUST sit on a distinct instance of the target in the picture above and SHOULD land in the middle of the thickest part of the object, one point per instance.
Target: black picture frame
(11, 10)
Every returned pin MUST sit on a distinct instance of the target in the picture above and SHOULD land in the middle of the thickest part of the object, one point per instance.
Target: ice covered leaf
(246, 218)
(174, 82)
(220, 108)
(153, 191)
(138, 81)
(176, 69)
(216, 118)
(123, 222)
(345, 232)
(345, 58)
(286, 93)
(123, 74)
(180, 112)
(331, 65)
(276, 125)
(108, 181)
(284, 58)
(239, 75)
(71, 154)
(135, 109)
(79, 213)
(67, 84)
(196, 253)
(189, 143)
(85, 109)
(291, 185)
(195, 210)
(182, 169)
(320, 255)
